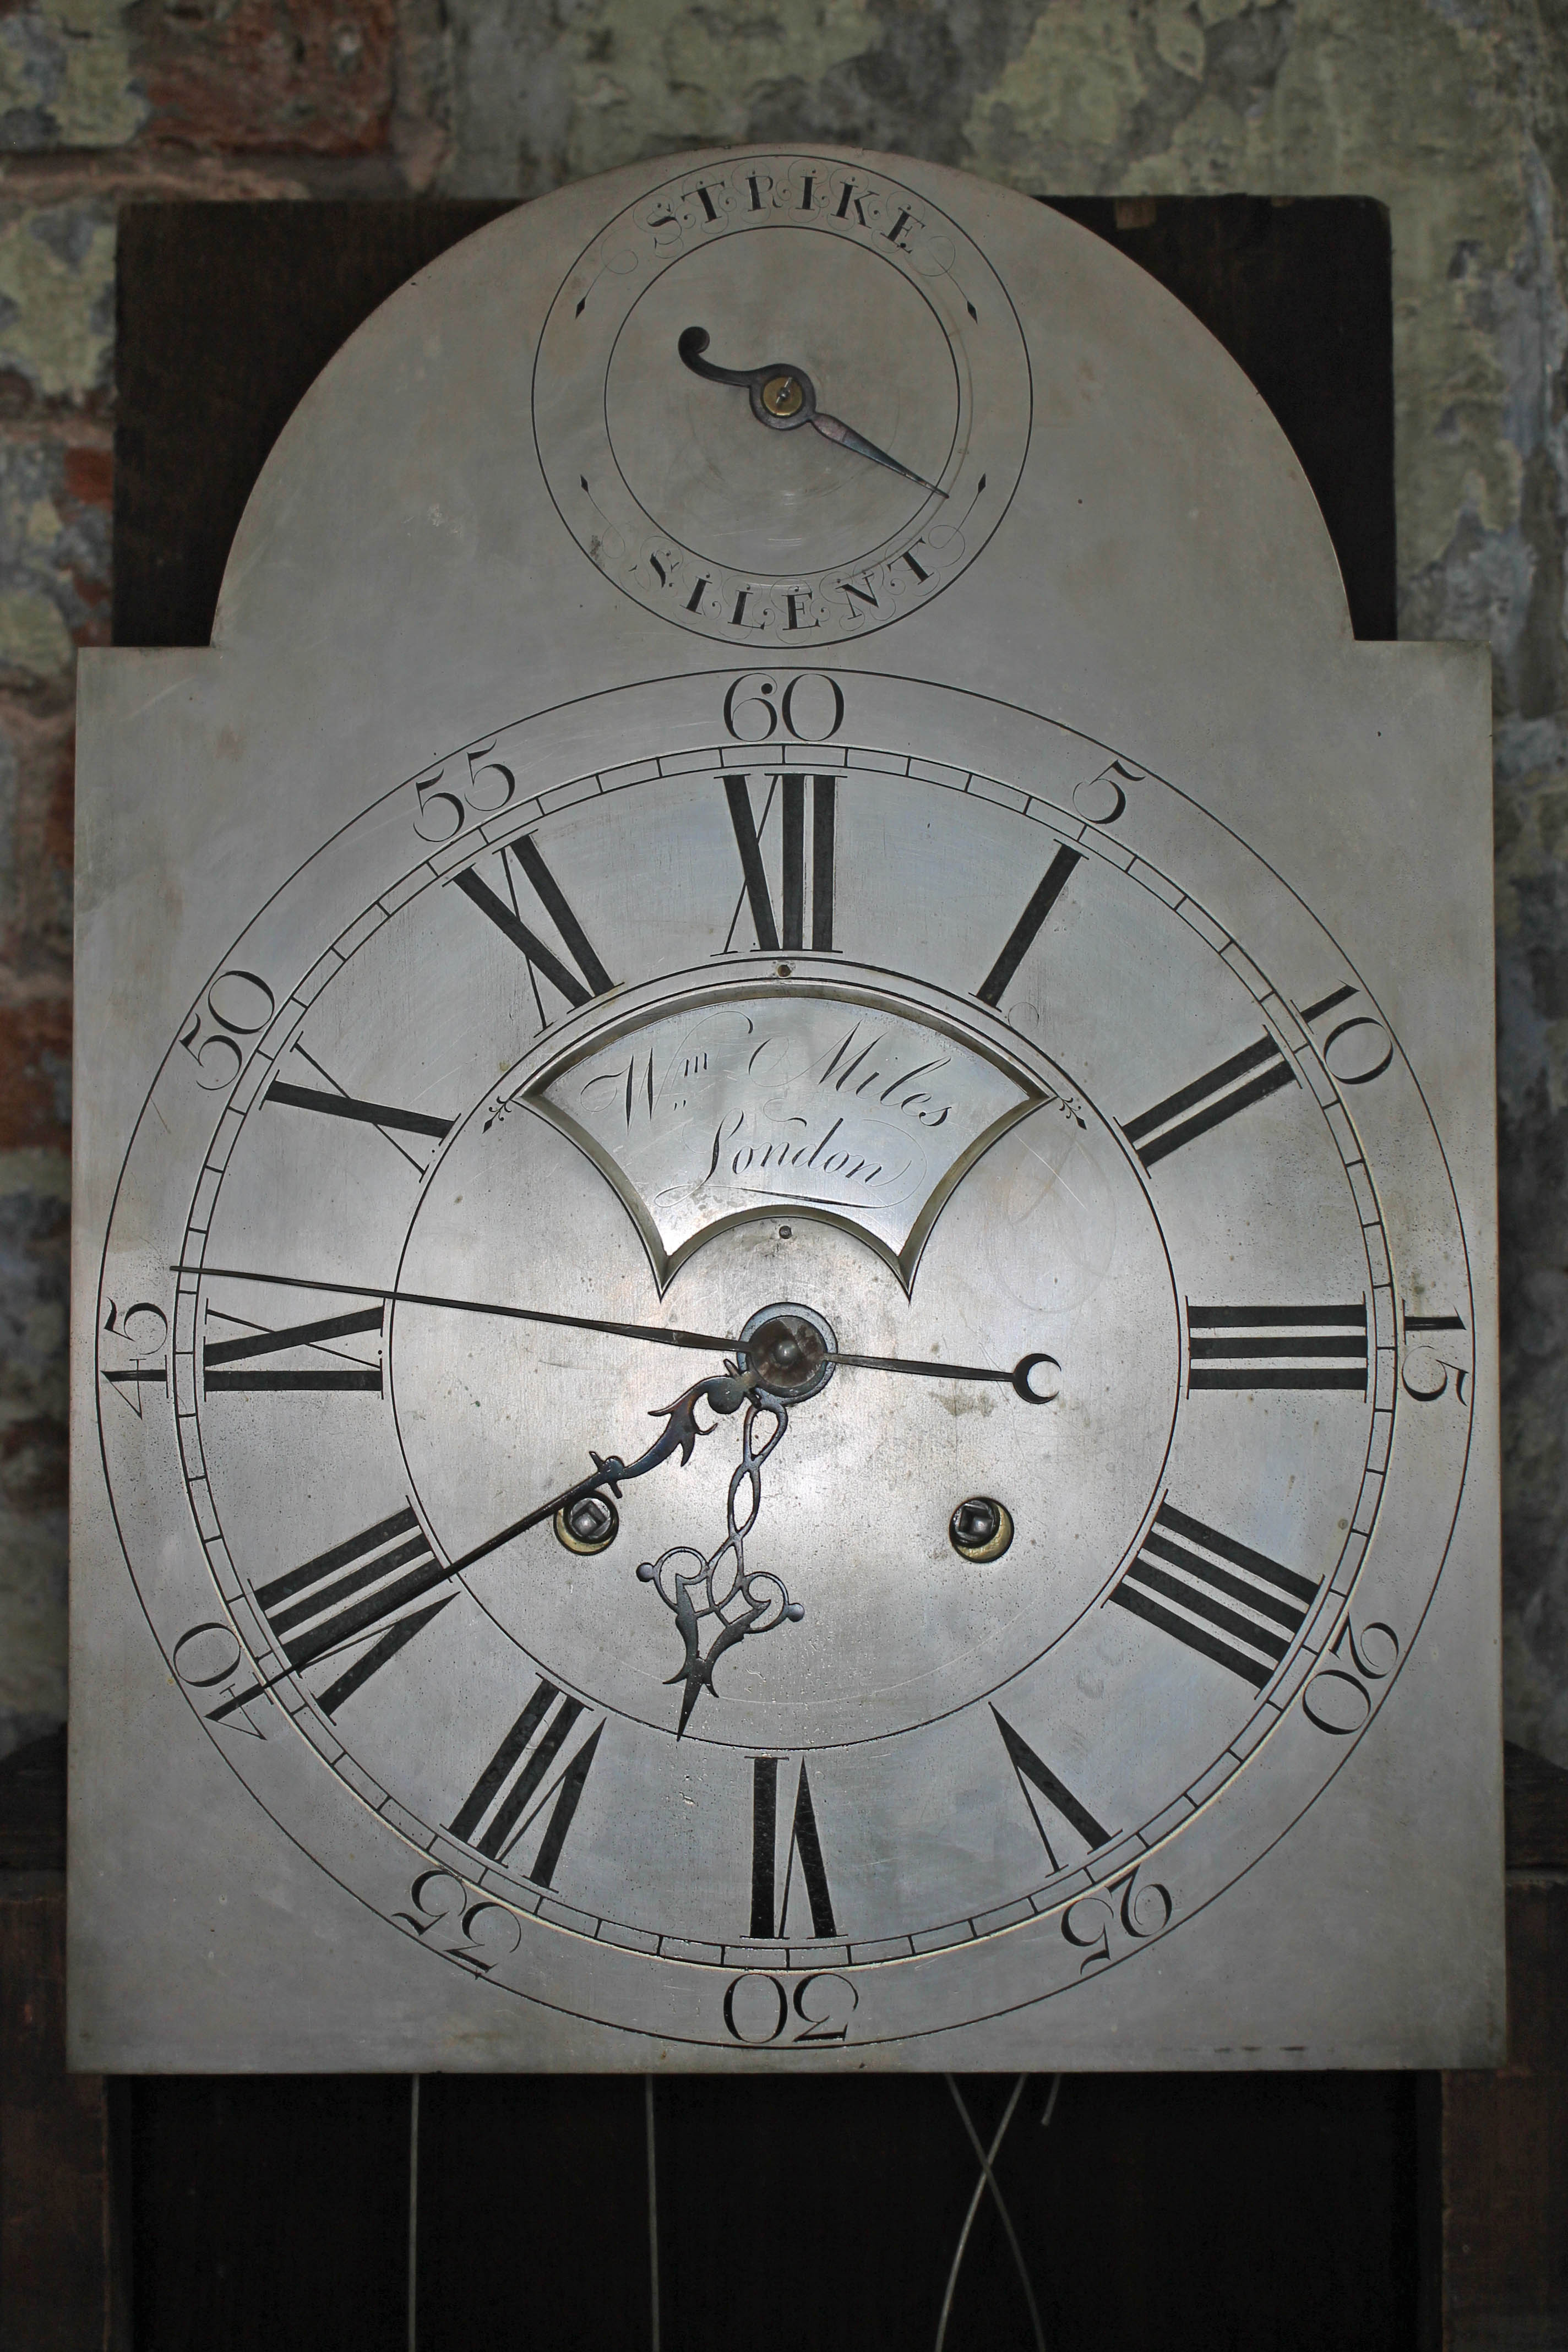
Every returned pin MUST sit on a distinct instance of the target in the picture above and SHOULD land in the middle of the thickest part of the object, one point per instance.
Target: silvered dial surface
(735, 1348)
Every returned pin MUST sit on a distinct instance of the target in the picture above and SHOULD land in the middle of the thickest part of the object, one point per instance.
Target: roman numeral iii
(515, 1786)
(1221, 1598)
(1277, 1347)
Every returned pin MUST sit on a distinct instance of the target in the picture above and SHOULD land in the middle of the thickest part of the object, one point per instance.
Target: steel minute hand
(707, 1343)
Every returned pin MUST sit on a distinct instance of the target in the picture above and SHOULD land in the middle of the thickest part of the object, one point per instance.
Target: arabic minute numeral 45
(140, 1334)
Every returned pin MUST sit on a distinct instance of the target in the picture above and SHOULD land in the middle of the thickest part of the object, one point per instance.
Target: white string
(413, 2213)
(652, 2211)
(988, 2180)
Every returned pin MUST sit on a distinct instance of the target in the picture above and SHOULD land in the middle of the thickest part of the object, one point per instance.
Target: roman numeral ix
(769, 1915)
(1277, 1347)
(543, 961)
(345, 1373)
(770, 934)
(502, 1807)
(340, 1597)
(1256, 1071)
(1034, 1775)
(1221, 1598)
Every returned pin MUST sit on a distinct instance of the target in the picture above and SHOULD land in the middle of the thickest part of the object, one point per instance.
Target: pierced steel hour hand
(784, 396)
(714, 1595)
(683, 1429)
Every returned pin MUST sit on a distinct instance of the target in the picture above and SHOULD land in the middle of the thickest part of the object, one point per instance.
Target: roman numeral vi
(769, 1916)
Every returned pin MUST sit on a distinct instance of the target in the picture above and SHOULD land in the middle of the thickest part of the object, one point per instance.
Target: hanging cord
(413, 2213)
(652, 2212)
(988, 2159)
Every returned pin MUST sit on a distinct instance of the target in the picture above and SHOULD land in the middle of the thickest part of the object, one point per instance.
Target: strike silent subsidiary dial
(893, 321)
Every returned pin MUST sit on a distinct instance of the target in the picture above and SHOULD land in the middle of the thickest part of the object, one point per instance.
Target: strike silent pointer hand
(783, 396)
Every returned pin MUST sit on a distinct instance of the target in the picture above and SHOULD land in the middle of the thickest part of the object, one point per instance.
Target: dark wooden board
(58, 2249)
(225, 316)
(271, 2213)
(1300, 293)
(534, 2198)
(1535, 1807)
(1505, 2149)
(33, 1805)
(1156, 2212)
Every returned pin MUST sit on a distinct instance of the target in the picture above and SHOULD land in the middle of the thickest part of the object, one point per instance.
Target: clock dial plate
(545, 1088)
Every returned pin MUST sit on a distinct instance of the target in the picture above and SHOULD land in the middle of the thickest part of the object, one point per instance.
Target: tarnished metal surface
(786, 1348)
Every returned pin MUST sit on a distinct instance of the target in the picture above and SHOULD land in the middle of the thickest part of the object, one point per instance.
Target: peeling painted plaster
(66, 77)
(56, 297)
